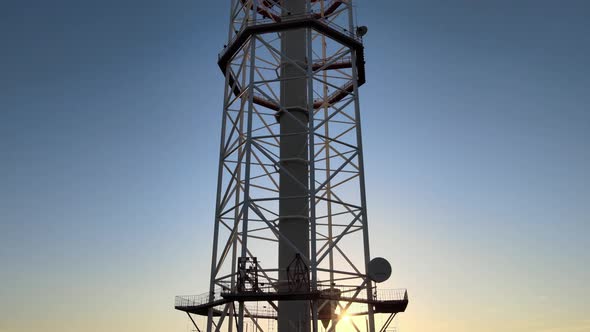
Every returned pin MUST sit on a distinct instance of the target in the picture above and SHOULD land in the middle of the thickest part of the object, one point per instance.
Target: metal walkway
(385, 301)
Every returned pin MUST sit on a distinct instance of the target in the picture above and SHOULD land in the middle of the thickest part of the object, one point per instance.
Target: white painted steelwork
(291, 232)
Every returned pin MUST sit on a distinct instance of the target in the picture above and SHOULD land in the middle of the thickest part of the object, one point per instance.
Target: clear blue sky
(477, 131)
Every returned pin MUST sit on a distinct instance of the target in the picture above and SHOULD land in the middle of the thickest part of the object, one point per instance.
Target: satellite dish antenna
(362, 30)
(379, 269)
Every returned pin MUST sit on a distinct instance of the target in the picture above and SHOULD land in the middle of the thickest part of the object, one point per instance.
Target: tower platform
(384, 301)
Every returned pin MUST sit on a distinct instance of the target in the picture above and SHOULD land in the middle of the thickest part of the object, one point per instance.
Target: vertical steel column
(294, 202)
(312, 192)
(218, 201)
(328, 153)
(226, 94)
(234, 256)
(248, 151)
(367, 254)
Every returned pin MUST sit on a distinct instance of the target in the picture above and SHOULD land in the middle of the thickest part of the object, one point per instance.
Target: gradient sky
(477, 145)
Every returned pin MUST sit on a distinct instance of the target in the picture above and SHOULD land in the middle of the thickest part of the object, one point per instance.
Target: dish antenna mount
(362, 31)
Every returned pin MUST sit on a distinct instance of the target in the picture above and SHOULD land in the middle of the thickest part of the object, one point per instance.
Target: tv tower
(291, 239)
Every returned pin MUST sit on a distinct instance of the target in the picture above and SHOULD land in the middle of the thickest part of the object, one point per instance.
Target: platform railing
(346, 293)
(196, 300)
(391, 295)
(260, 21)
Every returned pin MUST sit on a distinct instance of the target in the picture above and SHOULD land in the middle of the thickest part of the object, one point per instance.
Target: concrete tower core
(293, 204)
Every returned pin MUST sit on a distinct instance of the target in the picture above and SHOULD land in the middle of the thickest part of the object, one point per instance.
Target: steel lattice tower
(291, 241)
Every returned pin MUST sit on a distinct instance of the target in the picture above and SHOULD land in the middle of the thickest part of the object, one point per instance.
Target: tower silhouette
(291, 239)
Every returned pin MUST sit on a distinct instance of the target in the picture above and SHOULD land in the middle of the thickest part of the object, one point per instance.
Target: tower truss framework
(291, 241)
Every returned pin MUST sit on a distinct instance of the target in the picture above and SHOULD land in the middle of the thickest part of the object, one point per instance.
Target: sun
(345, 317)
